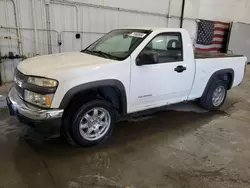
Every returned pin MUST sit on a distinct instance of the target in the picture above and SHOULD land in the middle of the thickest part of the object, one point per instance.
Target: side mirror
(147, 59)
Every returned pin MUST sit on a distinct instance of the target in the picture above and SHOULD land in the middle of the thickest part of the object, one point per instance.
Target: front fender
(93, 85)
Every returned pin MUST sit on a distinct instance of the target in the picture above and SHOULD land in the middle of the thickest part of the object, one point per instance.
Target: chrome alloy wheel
(218, 96)
(95, 124)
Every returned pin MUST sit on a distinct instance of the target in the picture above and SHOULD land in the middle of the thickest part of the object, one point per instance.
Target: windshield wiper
(87, 51)
(102, 53)
(106, 55)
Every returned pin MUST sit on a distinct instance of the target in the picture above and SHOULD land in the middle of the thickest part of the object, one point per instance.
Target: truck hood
(49, 64)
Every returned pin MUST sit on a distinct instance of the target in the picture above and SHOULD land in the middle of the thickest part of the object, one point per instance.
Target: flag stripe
(218, 40)
(209, 46)
(219, 32)
(223, 23)
(218, 36)
(208, 50)
(219, 29)
(221, 26)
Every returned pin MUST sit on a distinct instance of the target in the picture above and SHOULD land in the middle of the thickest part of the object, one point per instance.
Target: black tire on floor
(206, 100)
(75, 122)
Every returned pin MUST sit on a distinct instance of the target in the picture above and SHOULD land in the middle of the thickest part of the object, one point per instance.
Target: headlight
(38, 99)
(43, 82)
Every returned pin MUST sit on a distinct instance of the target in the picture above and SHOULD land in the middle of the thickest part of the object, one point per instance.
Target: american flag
(211, 36)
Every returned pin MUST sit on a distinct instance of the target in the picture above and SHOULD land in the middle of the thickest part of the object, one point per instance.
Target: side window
(164, 48)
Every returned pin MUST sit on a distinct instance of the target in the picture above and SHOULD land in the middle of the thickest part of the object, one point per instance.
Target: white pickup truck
(125, 71)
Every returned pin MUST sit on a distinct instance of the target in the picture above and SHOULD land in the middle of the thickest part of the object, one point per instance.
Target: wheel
(215, 97)
(92, 123)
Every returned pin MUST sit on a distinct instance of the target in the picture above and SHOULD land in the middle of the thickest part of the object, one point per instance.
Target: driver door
(159, 73)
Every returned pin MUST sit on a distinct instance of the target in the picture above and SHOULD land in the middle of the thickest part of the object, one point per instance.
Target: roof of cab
(144, 28)
(155, 28)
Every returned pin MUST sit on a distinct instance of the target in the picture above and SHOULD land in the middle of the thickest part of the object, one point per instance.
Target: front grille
(21, 85)
(20, 91)
(20, 78)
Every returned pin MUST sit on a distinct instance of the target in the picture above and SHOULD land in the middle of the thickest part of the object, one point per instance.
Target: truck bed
(202, 55)
(207, 64)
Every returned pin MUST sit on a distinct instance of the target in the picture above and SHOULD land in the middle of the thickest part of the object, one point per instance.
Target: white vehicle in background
(126, 71)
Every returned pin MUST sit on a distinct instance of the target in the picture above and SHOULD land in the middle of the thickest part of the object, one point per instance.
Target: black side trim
(218, 74)
(93, 85)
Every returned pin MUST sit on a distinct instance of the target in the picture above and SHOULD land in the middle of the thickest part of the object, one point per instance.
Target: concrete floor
(168, 149)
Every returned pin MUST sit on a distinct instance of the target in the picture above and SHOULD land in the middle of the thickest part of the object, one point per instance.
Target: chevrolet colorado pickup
(125, 71)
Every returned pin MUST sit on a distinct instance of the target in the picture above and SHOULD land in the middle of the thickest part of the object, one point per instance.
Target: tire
(206, 100)
(80, 135)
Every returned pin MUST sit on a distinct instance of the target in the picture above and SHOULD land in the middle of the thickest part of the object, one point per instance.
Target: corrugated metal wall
(92, 21)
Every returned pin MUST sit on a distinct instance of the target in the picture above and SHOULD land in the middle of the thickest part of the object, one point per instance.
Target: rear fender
(220, 74)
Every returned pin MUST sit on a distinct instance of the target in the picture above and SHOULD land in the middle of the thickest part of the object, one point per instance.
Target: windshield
(117, 44)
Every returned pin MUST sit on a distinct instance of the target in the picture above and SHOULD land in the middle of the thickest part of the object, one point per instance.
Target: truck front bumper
(42, 119)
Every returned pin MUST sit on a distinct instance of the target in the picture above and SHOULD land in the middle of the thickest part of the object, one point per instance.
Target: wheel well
(230, 80)
(225, 74)
(227, 77)
(109, 93)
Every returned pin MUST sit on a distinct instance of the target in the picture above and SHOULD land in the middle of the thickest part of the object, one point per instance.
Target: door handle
(180, 69)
